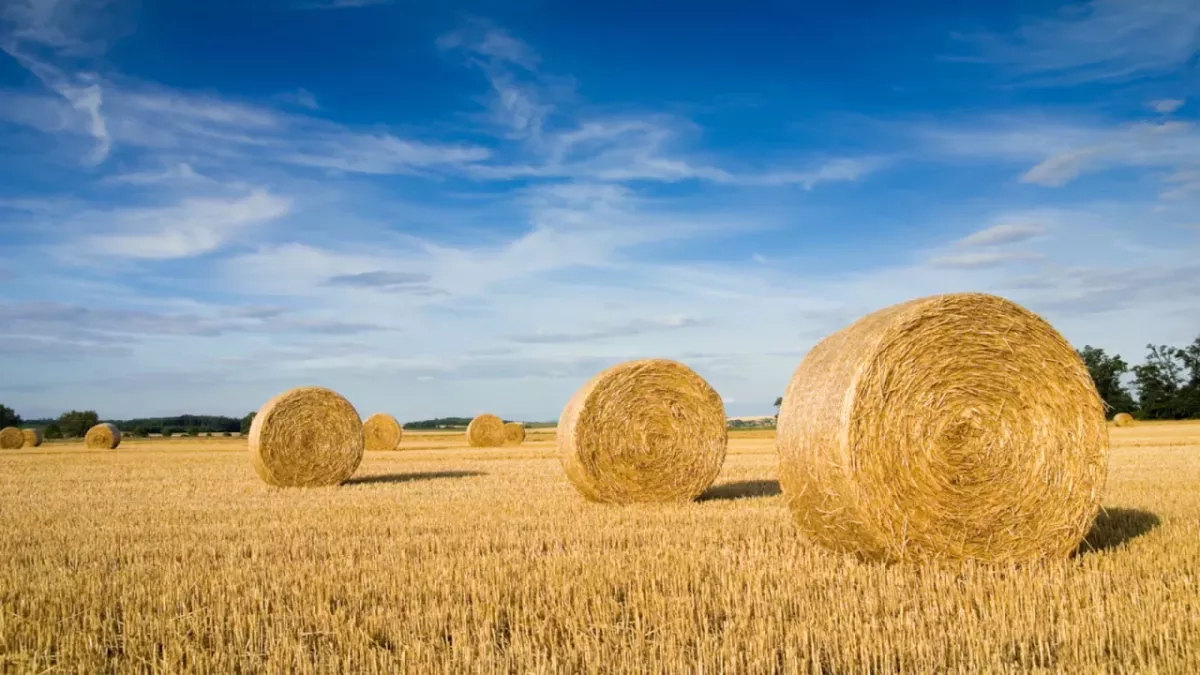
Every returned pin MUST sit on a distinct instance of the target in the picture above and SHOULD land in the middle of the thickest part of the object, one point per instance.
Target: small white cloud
(999, 235)
(194, 227)
(1061, 168)
(974, 261)
(1167, 106)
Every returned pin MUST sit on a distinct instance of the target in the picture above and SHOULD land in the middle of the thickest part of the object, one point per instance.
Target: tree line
(75, 424)
(1166, 386)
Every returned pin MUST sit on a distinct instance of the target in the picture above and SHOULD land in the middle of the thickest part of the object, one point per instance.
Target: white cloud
(981, 260)
(1005, 233)
(1101, 40)
(194, 227)
(1167, 106)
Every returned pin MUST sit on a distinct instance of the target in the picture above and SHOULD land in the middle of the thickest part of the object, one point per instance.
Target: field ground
(171, 555)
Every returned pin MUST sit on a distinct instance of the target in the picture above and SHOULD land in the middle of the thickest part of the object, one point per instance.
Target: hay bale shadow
(410, 477)
(1114, 528)
(742, 490)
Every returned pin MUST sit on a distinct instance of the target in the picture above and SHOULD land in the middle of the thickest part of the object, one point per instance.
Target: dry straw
(951, 427)
(11, 438)
(486, 431)
(514, 432)
(103, 436)
(643, 431)
(33, 437)
(1124, 420)
(382, 432)
(306, 437)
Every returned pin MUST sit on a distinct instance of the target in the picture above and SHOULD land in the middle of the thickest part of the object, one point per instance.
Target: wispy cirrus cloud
(1002, 234)
(1099, 41)
(624, 330)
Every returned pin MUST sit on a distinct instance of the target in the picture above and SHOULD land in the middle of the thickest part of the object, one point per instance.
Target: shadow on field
(1114, 527)
(409, 477)
(742, 490)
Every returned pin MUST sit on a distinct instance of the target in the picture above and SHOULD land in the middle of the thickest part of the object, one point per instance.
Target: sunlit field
(171, 555)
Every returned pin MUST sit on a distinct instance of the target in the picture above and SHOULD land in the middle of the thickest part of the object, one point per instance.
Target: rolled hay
(306, 437)
(33, 437)
(103, 436)
(514, 432)
(382, 432)
(486, 431)
(11, 438)
(643, 431)
(951, 427)
(1123, 420)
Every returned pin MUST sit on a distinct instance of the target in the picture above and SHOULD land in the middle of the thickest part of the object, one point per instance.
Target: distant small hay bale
(1124, 420)
(33, 437)
(486, 431)
(11, 438)
(514, 432)
(306, 437)
(643, 431)
(103, 436)
(382, 432)
(952, 427)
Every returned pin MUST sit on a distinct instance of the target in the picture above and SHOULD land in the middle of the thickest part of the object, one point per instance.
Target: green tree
(246, 422)
(1106, 372)
(75, 423)
(52, 431)
(8, 418)
(141, 432)
(193, 432)
(1189, 395)
(1159, 384)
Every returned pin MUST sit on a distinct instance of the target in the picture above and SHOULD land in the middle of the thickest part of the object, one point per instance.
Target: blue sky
(445, 209)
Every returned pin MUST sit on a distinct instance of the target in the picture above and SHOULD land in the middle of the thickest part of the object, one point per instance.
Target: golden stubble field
(171, 555)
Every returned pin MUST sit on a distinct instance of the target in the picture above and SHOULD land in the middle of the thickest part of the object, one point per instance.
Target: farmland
(172, 555)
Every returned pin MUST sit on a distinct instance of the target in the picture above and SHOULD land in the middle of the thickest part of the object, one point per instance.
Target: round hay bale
(11, 438)
(643, 431)
(486, 431)
(103, 436)
(382, 432)
(514, 432)
(33, 437)
(306, 437)
(952, 427)
(1124, 420)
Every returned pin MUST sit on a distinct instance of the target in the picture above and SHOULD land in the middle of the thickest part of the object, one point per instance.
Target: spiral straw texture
(306, 437)
(11, 438)
(951, 427)
(514, 432)
(486, 431)
(382, 432)
(33, 437)
(103, 436)
(1124, 420)
(643, 431)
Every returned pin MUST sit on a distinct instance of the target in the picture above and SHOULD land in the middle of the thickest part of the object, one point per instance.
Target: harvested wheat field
(173, 556)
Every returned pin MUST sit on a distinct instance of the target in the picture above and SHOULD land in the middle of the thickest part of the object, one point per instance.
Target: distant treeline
(75, 424)
(462, 422)
(1166, 386)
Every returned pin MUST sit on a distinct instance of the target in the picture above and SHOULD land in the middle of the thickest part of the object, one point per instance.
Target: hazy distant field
(171, 555)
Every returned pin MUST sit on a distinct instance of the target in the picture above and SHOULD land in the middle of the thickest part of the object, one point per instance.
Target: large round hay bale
(1124, 420)
(514, 432)
(11, 438)
(103, 436)
(382, 432)
(33, 437)
(952, 427)
(643, 431)
(485, 431)
(306, 437)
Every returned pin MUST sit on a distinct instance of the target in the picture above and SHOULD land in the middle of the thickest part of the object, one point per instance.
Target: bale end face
(1124, 420)
(11, 438)
(486, 431)
(306, 437)
(643, 431)
(952, 427)
(103, 436)
(382, 432)
(514, 432)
